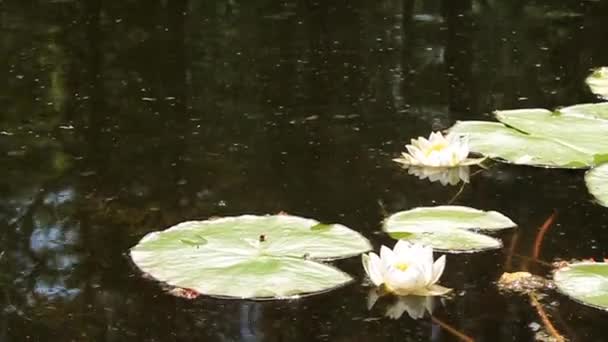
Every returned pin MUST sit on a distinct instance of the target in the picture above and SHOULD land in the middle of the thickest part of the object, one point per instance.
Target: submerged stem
(457, 194)
(545, 319)
(462, 336)
(541, 234)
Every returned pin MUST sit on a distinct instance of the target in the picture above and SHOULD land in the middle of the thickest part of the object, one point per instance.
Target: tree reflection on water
(119, 118)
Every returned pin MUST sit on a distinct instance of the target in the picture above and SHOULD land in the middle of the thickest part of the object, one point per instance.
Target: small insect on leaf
(321, 227)
(262, 238)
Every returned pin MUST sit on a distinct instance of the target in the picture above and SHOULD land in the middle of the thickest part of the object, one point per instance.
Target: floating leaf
(580, 132)
(597, 183)
(196, 240)
(445, 228)
(321, 226)
(585, 282)
(426, 219)
(598, 82)
(590, 110)
(249, 256)
(498, 141)
(573, 137)
(451, 240)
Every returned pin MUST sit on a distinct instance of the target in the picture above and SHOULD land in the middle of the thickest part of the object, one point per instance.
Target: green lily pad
(451, 240)
(585, 282)
(597, 183)
(257, 257)
(447, 228)
(498, 141)
(571, 137)
(442, 217)
(598, 82)
(590, 110)
(580, 132)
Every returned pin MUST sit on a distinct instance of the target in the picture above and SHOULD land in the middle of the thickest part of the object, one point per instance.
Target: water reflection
(120, 118)
(415, 306)
(443, 175)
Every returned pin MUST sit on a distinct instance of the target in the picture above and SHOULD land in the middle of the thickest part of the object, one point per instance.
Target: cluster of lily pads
(283, 256)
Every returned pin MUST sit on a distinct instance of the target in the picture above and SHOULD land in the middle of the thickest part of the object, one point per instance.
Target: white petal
(427, 265)
(365, 262)
(421, 257)
(417, 252)
(463, 152)
(404, 161)
(403, 283)
(401, 247)
(376, 271)
(433, 160)
(422, 143)
(433, 290)
(388, 257)
(419, 156)
(436, 137)
(411, 148)
(438, 268)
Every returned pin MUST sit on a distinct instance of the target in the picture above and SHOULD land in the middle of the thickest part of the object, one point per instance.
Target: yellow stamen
(401, 266)
(436, 148)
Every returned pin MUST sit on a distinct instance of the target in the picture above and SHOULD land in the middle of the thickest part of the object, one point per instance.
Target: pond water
(123, 117)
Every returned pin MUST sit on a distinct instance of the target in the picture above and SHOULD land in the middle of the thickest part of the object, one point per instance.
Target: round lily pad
(424, 219)
(572, 137)
(597, 183)
(451, 240)
(585, 282)
(447, 228)
(497, 141)
(258, 257)
(584, 133)
(589, 110)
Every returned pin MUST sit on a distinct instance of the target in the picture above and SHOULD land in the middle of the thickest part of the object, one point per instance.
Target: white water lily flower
(438, 151)
(408, 269)
(443, 175)
(598, 82)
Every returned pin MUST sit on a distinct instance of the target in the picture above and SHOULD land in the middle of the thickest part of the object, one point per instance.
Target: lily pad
(589, 110)
(258, 257)
(598, 82)
(443, 217)
(498, 141)
(571, 137)
(447, 228)
(585, 282)
(597, 183)
(580, 132)
(451, 240)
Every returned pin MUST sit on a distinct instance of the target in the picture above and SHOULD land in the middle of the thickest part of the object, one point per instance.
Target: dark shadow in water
(121, 118)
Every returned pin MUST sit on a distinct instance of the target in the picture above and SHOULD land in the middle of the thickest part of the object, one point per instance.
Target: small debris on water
(523, 282)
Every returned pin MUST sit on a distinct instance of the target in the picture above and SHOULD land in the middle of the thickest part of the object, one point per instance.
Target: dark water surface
(123, 117)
